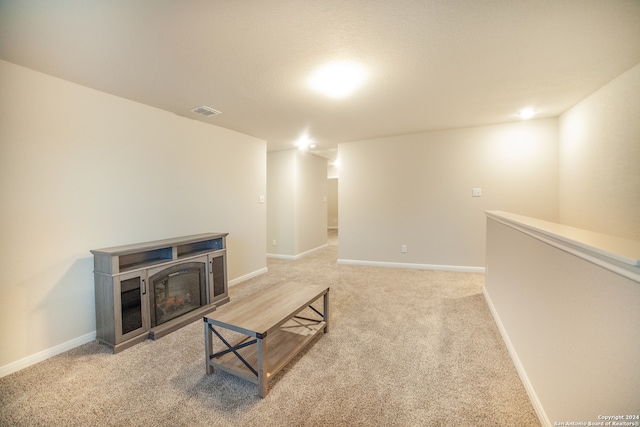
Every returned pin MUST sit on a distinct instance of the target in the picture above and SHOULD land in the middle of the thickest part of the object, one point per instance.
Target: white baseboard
(537, 405)
(46, 354)
(247, 276)
(295, 257)
(279, 256)
(459, 268)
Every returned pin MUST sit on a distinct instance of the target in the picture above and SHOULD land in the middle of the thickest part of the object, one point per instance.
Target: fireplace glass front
(177, 290)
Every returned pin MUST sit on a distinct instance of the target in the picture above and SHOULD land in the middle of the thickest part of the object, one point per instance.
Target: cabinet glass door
(218, 277)
(132, 305)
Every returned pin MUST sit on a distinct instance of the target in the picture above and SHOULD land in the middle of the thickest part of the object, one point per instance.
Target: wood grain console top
(137, 247)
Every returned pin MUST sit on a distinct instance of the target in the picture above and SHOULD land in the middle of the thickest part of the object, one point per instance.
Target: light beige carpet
(405, 348)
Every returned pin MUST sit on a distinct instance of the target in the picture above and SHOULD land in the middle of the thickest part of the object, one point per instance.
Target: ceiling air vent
(206, 111)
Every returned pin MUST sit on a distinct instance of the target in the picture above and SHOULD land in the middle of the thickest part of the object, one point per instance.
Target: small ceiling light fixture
(304, 143)
(527, 113)
(338, 79)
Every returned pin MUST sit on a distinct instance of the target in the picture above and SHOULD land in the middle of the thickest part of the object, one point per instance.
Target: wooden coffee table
(275, 323)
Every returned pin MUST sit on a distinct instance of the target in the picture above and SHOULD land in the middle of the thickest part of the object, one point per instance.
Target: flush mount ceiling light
(304, 143)
(338, 79)
(527, 113)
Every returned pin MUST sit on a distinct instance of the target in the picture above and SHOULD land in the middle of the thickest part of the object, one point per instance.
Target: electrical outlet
(476, 192)
(404, 249)
(273, 242)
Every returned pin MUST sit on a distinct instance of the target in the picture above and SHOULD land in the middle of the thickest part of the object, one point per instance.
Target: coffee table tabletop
(264, 311)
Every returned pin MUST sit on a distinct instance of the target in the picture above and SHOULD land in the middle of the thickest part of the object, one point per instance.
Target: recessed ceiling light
(338, 79)
(527, 113)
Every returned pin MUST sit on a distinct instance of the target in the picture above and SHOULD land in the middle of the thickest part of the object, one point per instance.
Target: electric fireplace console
(148, 290)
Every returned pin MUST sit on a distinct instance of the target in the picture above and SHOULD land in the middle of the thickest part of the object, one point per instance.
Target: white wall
(571, 325)
(332, 203)
(80, 170)
(281, 203)
(332, 171)
(600, 159)
(311, 201)
(415, 190)
(297, 210)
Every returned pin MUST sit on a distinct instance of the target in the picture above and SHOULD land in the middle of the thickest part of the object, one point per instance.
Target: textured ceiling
(433, 64)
